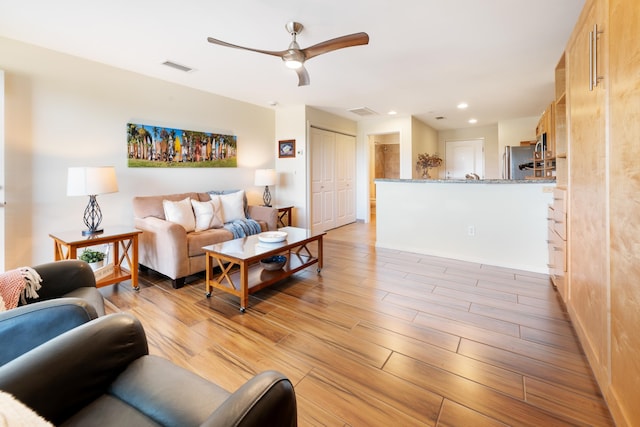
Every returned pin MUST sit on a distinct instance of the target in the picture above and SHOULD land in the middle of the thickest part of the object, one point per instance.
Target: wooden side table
(66, 246)
(284, 212)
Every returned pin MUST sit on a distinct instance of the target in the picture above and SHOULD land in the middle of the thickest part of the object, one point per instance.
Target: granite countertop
(469, 181)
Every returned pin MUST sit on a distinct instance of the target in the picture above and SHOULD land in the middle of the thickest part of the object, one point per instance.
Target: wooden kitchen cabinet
(557, 240)
(599, 169)
(544, 162)
(588, 229)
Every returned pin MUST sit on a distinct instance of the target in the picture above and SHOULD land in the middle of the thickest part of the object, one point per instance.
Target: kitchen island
(494, 222)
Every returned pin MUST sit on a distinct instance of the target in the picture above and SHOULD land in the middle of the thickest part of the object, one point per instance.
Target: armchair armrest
(266, 214)
(24, 328)
(266, 399)
(61, 376)
(61, 277)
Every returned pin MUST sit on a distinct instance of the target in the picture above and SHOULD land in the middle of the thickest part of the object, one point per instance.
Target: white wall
(64, 111)
(424, 140)
(292, 172)
(509, 220)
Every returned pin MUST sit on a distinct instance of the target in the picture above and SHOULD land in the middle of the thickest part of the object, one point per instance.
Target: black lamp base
(91, 232)
(266, 197)
(92, 217)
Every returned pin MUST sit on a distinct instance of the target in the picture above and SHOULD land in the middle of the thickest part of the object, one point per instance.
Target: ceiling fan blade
(356, 39)
(268, 52)
(303, 76)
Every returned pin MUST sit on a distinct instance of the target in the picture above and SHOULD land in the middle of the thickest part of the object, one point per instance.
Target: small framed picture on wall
(287, 148)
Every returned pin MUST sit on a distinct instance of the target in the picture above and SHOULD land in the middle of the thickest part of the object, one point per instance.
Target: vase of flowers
(426, 162)
(94, 258)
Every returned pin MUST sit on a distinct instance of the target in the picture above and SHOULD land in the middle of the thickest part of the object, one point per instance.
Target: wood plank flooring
(384, 337)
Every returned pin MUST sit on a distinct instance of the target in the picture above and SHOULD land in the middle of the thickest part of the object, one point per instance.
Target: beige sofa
(169, 249)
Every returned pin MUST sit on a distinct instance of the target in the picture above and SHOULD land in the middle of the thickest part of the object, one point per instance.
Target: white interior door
(322, 180)
(464, 157)
(345, 161)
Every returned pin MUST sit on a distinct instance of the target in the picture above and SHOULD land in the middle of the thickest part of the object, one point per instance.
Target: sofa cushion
(232, 206)
(180, 212)
(198, 239)
(208, 214)
(145, 206)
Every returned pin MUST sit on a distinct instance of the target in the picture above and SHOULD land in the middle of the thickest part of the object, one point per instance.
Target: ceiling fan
(294, 57)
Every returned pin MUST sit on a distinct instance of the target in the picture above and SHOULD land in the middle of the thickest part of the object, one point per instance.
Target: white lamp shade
(89, 181)
(265, 177)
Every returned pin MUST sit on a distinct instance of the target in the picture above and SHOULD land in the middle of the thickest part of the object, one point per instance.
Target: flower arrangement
(91, 256)
(426, 162)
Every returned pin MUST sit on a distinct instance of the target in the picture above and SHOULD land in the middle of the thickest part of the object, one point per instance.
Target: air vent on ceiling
(440, 117)
(363, 111)
(177, 66)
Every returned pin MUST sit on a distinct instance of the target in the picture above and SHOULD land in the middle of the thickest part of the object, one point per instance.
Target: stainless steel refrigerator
(516, 156)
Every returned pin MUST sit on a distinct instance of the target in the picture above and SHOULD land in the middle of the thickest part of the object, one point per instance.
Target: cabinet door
(625, 187)
(588, 236)
(345, 179)
(323, 186)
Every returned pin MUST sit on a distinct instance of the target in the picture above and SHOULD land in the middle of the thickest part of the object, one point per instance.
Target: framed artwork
(156, 146)
(287, 148)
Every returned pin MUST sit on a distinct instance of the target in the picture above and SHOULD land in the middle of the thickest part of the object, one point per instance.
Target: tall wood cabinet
(588, 231)
(601, 176)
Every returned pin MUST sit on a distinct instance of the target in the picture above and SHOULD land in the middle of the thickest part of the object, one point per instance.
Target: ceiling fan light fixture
(293, 59)
(293, 64)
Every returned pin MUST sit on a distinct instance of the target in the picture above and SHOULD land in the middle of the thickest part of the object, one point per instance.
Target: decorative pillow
(180, 213)
(232, 206)
(207, 213)
(213, 193)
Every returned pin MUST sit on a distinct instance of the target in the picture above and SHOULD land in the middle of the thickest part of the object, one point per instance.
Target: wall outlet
(471, 230)
(547, 189)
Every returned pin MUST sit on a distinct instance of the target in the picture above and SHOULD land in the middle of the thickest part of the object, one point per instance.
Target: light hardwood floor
(383, 338)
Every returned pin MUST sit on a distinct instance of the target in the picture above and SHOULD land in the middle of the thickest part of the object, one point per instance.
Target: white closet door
(345, 179)
(323, 184)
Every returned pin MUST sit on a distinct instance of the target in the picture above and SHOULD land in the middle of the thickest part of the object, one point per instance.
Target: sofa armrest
(61, 376)
(163, 246)
(61, 277)
(268, 399)
(24, 328)
(266, 214)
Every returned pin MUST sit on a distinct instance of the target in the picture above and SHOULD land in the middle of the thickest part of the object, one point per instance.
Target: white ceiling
(423, 58)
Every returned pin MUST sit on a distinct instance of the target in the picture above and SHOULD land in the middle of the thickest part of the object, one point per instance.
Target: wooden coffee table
(239, 260)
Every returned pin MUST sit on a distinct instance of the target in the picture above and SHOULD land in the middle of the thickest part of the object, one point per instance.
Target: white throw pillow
(207, 214)
(232, 206)
(180, 213)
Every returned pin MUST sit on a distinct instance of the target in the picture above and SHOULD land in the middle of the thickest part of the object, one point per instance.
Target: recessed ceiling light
(463, 105)
(472, 121)
(392, 113)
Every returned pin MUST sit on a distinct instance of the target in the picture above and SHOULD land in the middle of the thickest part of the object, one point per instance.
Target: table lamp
(266, 177)
(91, 181)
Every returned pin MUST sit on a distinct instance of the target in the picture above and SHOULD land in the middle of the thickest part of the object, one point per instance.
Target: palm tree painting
(155, 146)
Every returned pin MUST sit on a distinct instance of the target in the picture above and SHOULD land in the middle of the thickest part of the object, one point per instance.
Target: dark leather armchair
(26, 327)
(100, 373)
(68, 298)
(69, 278)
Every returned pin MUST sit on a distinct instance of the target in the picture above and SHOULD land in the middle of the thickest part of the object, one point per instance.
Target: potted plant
(94, 258)
(426, 162)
